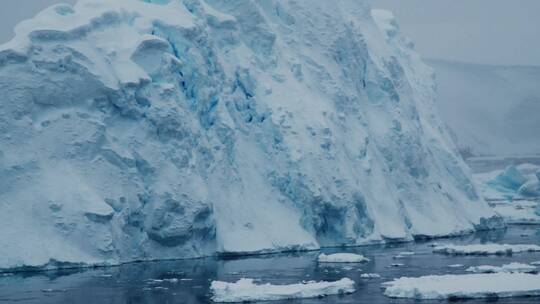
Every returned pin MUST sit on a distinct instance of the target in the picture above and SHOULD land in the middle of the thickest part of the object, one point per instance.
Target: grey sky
(479, 31)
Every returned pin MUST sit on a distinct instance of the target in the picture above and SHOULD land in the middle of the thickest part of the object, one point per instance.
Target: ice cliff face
(135, 130)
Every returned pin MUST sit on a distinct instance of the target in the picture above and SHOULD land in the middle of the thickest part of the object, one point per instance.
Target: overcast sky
(481, 31)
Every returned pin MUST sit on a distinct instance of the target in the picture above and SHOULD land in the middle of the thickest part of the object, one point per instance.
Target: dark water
(132, 283)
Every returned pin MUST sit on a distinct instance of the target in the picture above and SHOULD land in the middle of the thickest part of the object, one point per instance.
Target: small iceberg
(342, 258)
(246, 290)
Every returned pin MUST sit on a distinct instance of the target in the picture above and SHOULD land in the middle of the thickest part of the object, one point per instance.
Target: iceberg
(139, 130)
(510, 179)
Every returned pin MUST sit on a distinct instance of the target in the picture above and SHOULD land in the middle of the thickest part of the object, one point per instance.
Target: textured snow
(139, 130)
(342, 258)
(510, 268)
(246, 290)
(464, 286)
(485, 249)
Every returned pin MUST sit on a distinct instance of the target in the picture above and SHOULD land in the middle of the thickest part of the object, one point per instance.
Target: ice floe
(342, 258)
(370, 275)
(440, 287)
(485, 249)
(509, 268)
(246, 290)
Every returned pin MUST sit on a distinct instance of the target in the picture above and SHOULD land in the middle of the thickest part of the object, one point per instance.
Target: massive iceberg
(160, 129)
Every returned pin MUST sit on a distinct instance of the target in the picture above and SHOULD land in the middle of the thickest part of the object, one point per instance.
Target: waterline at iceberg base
(139, 130)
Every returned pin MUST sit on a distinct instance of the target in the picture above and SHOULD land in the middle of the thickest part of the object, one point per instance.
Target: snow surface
(140, 130)
(342, 258)
(485, 249)
(464, 286)
(510, 268)
(246, 290)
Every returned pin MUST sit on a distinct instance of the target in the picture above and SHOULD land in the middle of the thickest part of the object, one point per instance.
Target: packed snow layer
(485, 249)
(138, 130)
(510, 268)
(246, 290)
(342, 258)
(444, 287)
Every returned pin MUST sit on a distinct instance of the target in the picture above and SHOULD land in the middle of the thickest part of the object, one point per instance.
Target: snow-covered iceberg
(138, 130)
(246, 290)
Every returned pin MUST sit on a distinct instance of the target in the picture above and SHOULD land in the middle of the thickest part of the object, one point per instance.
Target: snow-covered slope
(493, 110)
(135, 130)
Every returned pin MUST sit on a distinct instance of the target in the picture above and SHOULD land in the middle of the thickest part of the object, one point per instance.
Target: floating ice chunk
(485, 249)
(404, 254)
(370, 275)
(510, 268)
(464, 286)
(49, 290)
(247, 290)
(342, 258)
(456, 265)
